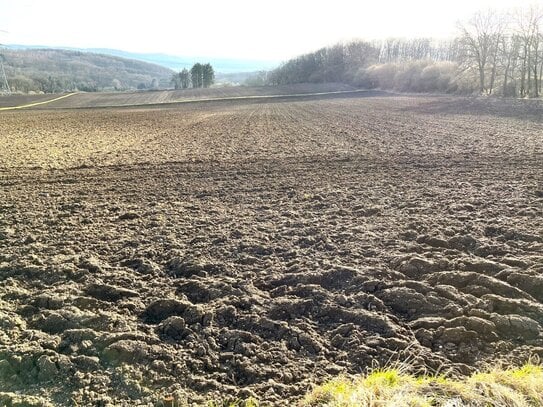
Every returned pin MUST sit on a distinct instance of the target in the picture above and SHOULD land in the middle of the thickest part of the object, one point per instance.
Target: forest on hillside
(493, 54)
(53, 71)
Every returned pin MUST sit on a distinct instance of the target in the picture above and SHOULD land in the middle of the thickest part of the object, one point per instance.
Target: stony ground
(254, 248)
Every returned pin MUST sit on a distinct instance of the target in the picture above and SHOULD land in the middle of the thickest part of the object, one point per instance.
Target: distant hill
(221, 65)
(53, 70)
(177, 63)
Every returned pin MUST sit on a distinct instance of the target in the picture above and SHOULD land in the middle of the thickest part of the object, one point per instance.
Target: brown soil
(250, 248)
(17, 100)
(104, 99)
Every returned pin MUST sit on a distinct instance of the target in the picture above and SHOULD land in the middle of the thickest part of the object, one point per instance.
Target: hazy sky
(267, 30)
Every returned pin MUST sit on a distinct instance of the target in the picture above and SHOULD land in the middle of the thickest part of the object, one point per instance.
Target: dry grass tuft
(496, 387)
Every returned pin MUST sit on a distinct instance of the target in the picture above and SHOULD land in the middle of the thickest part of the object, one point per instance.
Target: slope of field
(255, 248)
(18, 100)
(38, 102)
(118, 99)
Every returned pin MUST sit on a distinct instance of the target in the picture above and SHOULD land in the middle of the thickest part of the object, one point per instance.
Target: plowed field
(161, 97)
(257, 247)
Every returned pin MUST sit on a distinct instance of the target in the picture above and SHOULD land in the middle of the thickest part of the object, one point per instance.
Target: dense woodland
(51, 71)
(493, 54)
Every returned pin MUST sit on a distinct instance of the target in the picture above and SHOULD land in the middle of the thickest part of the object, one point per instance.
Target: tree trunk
(492, 78)
(494, 63)
(505, 77)
(536, 84)
(529, 78)
(482, 78)
(523, 73)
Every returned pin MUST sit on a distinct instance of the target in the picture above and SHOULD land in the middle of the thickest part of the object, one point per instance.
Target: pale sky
(267, 30)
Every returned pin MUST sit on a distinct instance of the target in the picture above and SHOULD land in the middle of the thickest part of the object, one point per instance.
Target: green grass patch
(497, 387)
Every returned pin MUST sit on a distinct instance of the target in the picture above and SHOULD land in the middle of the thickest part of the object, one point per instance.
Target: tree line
(506, 50)
(199, 76)
(493, 53)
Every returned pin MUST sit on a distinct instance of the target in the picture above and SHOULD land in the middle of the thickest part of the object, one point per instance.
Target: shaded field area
(254, 249)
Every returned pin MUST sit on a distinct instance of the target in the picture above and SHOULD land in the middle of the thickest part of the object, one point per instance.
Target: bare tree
(528, 28)
(509, 58)
(479, 39)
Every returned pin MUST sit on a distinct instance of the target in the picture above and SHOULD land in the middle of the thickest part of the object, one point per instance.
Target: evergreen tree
(208, 75)
(196, 74)
(184, 78)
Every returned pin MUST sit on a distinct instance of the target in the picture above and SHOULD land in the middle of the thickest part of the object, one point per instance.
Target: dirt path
(34, 104)
(256, 248)
(167, 101)
(164, 98)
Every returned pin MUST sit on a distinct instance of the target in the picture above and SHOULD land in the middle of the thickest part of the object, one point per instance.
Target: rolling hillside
(51, 71)
(223, 66)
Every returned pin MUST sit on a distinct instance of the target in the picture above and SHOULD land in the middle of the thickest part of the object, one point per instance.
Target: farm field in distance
(153, 97)
(256, 247)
